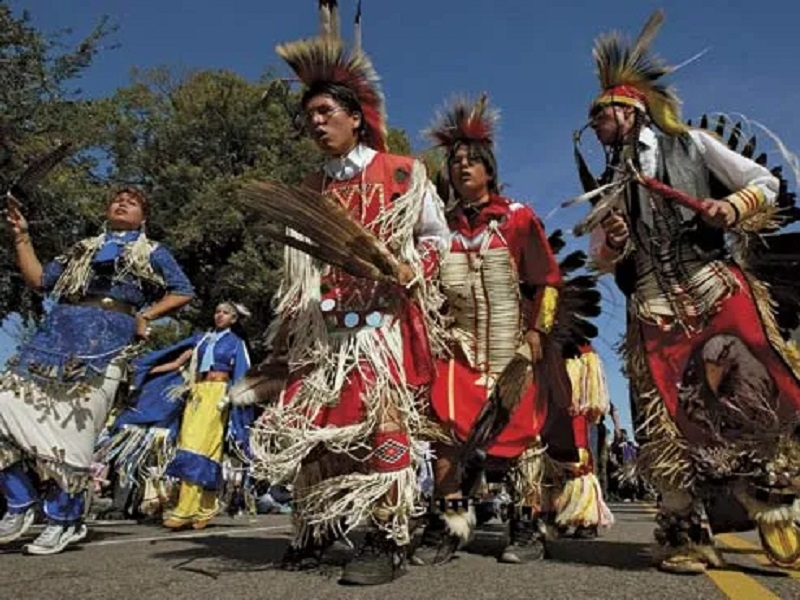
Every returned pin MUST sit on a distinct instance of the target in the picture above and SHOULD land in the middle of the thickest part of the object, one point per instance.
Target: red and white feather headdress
(325, 60)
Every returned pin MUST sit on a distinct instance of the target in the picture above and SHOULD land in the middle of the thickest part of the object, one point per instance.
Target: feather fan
(38, 170)
(329, 233)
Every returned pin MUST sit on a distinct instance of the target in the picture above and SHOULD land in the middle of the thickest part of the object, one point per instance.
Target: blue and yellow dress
(58, 389)
(219, 361)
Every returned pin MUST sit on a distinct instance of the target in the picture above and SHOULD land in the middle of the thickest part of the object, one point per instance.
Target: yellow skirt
(197, 460)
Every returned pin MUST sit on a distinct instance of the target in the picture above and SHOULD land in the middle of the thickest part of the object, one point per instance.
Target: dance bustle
(326, 231)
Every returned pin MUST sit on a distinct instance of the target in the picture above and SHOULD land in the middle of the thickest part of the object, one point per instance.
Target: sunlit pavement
(234, 558)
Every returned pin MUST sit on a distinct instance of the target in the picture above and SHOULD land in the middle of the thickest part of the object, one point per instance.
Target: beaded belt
(106, 303)
(339, 319)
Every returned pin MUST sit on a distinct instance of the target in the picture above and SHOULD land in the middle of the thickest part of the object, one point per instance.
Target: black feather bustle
(573, 262)
(556, 241)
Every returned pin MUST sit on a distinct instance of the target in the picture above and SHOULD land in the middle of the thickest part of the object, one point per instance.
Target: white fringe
(135, 260)
(286, 435)
(139, 452)
(339, 504)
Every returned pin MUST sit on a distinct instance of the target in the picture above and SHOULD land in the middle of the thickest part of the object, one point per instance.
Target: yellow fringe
(581, 504)
(589, 387)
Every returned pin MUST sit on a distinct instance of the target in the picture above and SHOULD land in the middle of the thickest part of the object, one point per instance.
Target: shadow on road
(627, 556)
(765, 571)
(215, 555)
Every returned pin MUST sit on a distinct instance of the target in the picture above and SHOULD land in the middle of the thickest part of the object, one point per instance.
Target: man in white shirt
(345, 431)
(684, 291)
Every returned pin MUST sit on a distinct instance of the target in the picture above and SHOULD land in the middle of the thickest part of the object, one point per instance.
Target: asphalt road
(233, 559)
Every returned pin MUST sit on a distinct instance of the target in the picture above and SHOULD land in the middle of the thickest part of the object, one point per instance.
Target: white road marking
(166, 537)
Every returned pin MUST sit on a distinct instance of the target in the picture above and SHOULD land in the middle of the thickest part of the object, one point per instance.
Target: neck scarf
(113, 245)
(207, 360)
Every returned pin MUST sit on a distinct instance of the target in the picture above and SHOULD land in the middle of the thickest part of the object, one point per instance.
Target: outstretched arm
(172, 365)
(27, 261)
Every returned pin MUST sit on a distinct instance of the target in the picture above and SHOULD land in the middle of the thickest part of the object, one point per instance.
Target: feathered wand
(23, 186)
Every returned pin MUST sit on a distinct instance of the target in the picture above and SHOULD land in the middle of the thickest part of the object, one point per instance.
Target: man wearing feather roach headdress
(501, 283)
(716, 387)
(359, 352)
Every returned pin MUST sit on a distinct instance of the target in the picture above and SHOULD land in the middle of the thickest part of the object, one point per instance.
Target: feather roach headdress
(466, 121)
(329, 19)
(473, 123)
(630, 74)
(325, 60)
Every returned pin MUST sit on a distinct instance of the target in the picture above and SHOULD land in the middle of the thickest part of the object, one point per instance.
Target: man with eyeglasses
(345, 431)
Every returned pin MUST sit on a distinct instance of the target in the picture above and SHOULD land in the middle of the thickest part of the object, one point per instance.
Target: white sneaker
(14, 526)
(55, 538)
(81, 531)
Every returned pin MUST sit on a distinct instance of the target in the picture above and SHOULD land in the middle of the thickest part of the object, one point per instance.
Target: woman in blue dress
(56, 392)
(217, 360)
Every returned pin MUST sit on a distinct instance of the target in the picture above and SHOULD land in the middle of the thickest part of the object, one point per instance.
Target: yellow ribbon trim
(547, 310)
(747, 201)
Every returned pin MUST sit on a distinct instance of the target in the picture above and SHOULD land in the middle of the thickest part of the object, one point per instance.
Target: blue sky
(534, 59)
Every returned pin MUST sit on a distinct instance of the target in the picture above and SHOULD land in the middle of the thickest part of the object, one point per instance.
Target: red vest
(349, 302)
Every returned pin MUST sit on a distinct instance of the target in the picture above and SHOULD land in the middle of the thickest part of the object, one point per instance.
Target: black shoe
(303, 558)
(585, 533)
(527, 542)
(437, 545)
(113, 513)
(377, 561)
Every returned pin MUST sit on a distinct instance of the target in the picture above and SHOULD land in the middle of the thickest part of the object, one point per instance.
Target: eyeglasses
(468, 160)
(325, 111)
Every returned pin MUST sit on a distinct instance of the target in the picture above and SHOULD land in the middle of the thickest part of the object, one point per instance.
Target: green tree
(192, 140)
(38, 107)
(398, 142)
(189, 139)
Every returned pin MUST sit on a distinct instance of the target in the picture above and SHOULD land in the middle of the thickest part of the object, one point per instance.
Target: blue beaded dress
(58, 388)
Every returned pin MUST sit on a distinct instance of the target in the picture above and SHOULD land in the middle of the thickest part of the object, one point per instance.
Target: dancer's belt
(773, 496)
(213, 376)
(106, 303)
(355, 319)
